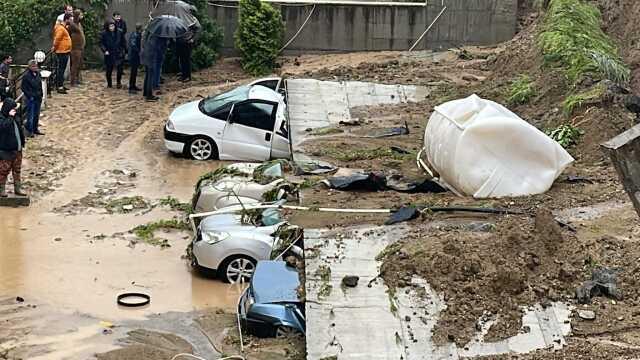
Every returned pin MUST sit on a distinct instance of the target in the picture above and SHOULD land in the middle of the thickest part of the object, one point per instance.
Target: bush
(259, 36)
(572, 38)
(521, 90)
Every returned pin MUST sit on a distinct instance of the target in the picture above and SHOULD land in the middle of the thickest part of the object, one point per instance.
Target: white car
(225, 245)
(247, 123)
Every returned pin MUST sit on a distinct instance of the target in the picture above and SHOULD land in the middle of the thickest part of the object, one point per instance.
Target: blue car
(270, 306)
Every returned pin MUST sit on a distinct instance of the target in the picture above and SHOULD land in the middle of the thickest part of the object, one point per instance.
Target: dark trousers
(33, 114)
(63, 59)
(109, 65)
(149, 73)
(183, 51)
(133, 77)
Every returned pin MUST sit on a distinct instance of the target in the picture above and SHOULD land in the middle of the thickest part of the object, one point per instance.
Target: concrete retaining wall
(366, 26)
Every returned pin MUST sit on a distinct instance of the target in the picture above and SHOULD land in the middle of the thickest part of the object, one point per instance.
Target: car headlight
(212, 237)
(170, 125)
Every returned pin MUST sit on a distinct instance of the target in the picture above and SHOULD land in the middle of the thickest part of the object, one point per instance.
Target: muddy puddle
(74, 263)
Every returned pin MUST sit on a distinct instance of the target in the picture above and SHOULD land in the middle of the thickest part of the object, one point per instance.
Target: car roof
(274, 282)
(263, 93)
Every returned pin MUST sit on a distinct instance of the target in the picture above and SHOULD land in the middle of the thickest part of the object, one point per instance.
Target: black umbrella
(179, 9)
(167, 26)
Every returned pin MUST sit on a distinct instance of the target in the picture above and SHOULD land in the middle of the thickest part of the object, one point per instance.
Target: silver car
(224, 244)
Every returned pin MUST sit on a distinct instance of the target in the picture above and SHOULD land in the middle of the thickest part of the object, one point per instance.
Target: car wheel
(237, 269)
(286, 332)
(202, 148)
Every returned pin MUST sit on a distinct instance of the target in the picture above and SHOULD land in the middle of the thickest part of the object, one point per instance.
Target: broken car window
(257, 115)
(211, 104)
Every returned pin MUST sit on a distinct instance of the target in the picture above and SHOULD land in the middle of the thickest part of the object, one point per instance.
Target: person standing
(78, 41)
(120, 23)
(184, 48)
(148, 60)
(134, 45)
(160, 50)
(62, 48)
(11, 144)
(68, 9)
(4, 76)
(113, 48)
(31, 87)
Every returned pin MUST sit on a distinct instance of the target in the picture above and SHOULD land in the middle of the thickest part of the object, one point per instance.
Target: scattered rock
(586, 315)
(350, 281)
(57, 239)
(19, 299)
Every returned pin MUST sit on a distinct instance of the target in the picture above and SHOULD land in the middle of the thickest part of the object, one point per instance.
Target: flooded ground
(69, 258)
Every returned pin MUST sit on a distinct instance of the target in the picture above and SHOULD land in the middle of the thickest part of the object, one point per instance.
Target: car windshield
(211, 104)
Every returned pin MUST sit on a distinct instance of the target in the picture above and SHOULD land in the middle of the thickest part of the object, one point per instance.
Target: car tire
(283, 331)
(201, 148)
(234, 266)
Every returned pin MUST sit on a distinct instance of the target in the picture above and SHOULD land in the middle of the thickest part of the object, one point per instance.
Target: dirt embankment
(523, 262)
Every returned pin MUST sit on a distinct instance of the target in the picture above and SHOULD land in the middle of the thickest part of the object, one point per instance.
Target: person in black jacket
(184, 48)
(31, 87)
(11, 144)
(113, 47)
(134, 46)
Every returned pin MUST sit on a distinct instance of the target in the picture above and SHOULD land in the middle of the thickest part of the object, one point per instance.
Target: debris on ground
(403, 214)
(350, 280)
(388, 132)
(603, 283)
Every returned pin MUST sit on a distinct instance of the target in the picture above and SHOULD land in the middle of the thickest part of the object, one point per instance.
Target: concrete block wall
(366, 26)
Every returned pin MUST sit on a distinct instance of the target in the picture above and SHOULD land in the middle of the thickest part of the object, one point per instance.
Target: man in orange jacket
(62, 48)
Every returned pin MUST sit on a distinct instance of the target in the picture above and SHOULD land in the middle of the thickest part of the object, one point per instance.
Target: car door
(248, 133)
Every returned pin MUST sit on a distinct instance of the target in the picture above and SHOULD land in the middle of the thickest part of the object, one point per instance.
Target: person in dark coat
(151, 46)
(11, 144)
(113, 47)
(31, 86)
(184, 48)
(134, 45)
(120, 23)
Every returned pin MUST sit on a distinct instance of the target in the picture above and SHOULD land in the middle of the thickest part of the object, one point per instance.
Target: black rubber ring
(147, 299)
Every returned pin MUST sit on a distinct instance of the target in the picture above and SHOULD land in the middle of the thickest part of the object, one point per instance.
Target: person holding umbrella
(159, 31)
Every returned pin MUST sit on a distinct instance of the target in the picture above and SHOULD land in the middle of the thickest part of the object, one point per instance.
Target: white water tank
(480, 148)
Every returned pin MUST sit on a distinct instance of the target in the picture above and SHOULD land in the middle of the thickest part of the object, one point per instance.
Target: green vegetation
(209, 39)
(327, 130)
(126, 204)
(323, 272)
(363, 154)
(576, 101)
(175, 204)
(146, 232)
(521, 90)
(21, 20)
(259, 36)
(325, 290)
(566, 135)
(572, 39)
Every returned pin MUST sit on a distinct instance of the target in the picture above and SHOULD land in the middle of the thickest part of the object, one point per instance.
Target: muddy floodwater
(69, 258)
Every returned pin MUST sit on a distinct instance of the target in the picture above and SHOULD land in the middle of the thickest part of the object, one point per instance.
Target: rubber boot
(3, 191)
(17, 189)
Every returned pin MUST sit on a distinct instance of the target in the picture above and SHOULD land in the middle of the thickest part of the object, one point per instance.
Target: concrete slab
(370, 322)
(315, 103)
